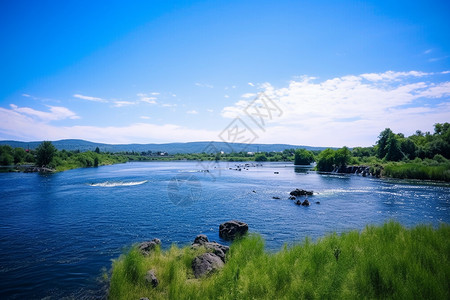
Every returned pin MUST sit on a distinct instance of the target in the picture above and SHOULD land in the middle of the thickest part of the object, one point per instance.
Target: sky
(317, 73)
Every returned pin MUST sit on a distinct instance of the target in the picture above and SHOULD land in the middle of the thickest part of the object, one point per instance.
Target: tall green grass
(414, 170)
(388, 261)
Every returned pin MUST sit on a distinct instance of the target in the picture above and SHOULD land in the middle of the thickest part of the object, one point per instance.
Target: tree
(19, 155)
(393, 151)
(325, 160)
(382, 142)
(342, 157)
(303, 157)
(45, 153)
(97, 150)
(260, 157)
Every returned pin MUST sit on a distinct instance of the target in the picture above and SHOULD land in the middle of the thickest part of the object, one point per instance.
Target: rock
(305, 203)
(144, 298)
(200, 239)
(317, 202)
(292, 198)
(150, 277)
(275, 197)
(216, 248)
(206, 264)
(298, 192)
(232, 229)
(146, 247)
(298, 202)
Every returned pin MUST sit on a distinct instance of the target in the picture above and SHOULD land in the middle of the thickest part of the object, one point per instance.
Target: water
(59, 232)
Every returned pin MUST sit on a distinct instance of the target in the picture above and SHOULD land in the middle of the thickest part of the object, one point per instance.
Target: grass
(387, 261)
(412, 170)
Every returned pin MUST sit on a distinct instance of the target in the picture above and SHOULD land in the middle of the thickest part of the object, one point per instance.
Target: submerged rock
(147, 247)
(150, 277)
(305, 203)
(206, 264)
(232, 229)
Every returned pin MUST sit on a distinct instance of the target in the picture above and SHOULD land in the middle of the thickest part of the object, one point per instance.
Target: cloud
(352, 110)
(204, 85)
(145, 117)
(23, 127)
(56, 113)
(146, 98)
(248, 95)
(90, 98)
(123, 103)
(192, 112)
(169, 105)
(428, 51)
(251, 84)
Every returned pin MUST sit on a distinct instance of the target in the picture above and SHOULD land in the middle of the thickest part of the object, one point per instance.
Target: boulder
(305, 203)
(292, 198)
(298, 202)
(232, 229)
(298, 192)
(216, 248)
(206, 264)
(276, 197)
(201, 239)
(150, 278)
(147, 247)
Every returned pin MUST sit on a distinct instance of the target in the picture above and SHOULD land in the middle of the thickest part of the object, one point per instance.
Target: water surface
(59, 232)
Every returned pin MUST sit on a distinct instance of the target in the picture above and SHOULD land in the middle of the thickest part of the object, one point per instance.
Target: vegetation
(389, 261)
(303, 157)
(45, 153)
(419, 156)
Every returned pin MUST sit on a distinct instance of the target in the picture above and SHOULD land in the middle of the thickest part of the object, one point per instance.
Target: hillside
(172, 148)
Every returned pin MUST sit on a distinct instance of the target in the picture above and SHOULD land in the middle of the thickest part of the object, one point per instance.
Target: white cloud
(26, 128)
(145, 117)
(123, 103)
(210, 110)
(204, 85)
(226, 96)
(90, 98)
(352, 110)
(56, 113)
(150, 100)
(192, 112)
(251, 84)
(169, 105)
(428, 51)
(248, 95)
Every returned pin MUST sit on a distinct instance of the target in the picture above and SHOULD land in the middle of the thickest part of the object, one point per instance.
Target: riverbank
(387, 261)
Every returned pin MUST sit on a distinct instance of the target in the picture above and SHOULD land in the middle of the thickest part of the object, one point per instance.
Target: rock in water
(305, 203)
(205, 264)
(232, 229)
(146, 247)
(150, 277)
(298, 192)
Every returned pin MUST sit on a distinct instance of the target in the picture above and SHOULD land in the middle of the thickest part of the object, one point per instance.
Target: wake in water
(118, 183)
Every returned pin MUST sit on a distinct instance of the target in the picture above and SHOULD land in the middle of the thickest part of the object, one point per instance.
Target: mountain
(171, 148)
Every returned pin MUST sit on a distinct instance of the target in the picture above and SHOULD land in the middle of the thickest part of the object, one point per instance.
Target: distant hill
(171, 148)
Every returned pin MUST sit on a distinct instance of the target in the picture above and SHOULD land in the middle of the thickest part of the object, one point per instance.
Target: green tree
(408, 148)
(19, 155)
(97, 150)
(325, 160)
(303, 157)
(260, 157)
(342, 157)
(382, 142)
(393, 150)
(45, 153)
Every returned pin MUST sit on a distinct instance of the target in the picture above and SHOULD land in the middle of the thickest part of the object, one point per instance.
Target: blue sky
(337, 72)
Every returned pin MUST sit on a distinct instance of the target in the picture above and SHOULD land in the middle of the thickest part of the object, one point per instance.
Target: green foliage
(303, 157)
(45, 153)
(385, 262)
(342, 157)
(426, 170)
(260, 157)
(325, 160)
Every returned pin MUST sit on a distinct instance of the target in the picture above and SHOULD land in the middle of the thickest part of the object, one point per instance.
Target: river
(59, 232)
